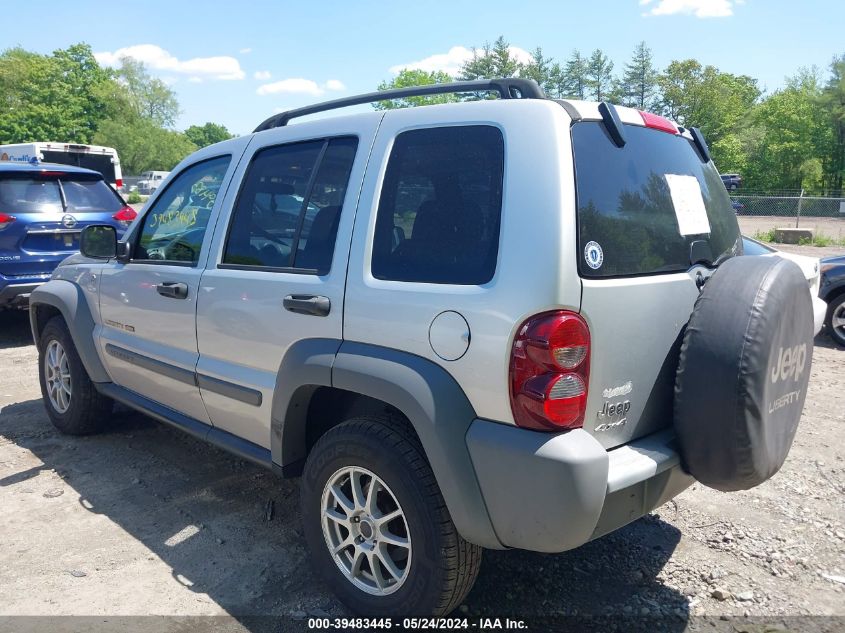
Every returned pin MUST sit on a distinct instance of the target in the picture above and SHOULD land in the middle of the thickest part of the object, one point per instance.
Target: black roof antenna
(612, 123)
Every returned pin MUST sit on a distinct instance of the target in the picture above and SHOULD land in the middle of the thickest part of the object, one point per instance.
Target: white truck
(150, 181)
(102, 159)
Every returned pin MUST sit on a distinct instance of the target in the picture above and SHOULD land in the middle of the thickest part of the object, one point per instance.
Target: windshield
(753, 247)
(642, 207)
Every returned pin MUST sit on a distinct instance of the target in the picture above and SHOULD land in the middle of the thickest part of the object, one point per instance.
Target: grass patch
(821, 240)
(765, 236)
(134, 197)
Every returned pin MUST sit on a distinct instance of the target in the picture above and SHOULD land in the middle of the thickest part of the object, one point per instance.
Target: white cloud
(300, 86)
(195, 80)
(452, 61)
(262, 75)
(156, 58)
(698, 8)
(291, 86)
(245, 51)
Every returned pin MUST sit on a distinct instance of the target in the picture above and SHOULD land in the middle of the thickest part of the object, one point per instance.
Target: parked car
(738, 207)
(150, 181)
(832, 290)
(43, 209)
(809, 266)
(732, 181)
(450, 352)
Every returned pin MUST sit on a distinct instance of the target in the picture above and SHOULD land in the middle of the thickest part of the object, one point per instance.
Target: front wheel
(835, 321)
(377, 525)
(73, 404)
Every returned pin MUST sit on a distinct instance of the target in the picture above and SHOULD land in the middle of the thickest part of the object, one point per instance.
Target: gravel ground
(833, 228)
(146, 520)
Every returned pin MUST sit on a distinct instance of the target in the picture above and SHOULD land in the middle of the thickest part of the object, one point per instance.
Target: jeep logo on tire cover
(790, 363)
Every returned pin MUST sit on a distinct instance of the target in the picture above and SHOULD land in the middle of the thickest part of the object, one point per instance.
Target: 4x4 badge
(593, 255)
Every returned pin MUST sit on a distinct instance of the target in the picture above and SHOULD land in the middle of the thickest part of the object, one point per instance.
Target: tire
(836, 311)
(743, 372)
(80, 409)
(438, 568)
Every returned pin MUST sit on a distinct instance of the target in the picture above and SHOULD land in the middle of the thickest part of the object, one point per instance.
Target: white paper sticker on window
(689, 205)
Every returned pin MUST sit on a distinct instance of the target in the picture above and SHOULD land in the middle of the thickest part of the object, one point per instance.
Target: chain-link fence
(759, 212)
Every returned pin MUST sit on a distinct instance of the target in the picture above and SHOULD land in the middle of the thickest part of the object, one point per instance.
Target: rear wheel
(835, 321)
(377, 525)
(74, 406)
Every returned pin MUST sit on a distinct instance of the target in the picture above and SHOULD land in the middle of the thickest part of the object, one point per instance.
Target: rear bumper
(552, 493)
(819, 314)
(16, 292)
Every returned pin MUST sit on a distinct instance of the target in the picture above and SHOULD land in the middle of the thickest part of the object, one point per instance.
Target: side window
(440, 207)
(174, 227)
(288, 209)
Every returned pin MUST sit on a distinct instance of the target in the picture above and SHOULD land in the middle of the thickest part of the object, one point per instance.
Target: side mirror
(98, 241)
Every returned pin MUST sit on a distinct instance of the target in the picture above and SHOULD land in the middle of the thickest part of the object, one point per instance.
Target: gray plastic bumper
(551, 493)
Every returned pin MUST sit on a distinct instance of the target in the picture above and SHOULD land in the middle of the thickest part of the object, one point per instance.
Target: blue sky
(238, 62)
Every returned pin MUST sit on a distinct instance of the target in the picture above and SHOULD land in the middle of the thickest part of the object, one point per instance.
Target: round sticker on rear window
(593, 255)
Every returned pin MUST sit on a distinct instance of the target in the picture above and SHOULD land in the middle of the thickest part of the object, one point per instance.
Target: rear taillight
(6, 220)
(118, 183)
(550, 371)
(657, 122)
(125, 215)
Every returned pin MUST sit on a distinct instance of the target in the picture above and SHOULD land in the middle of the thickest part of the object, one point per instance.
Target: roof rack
(507, 89)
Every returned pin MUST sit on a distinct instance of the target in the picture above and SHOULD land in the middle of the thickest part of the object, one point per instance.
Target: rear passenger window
(440, 207)
(288, 210)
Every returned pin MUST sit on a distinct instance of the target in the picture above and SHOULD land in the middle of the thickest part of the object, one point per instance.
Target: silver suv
(499, 323)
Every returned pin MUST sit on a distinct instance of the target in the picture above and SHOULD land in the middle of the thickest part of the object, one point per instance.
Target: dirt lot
(833, 228)
(145, 520)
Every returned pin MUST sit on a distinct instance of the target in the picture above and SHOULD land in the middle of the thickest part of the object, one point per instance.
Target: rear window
(43, 194)
(30, 195)
(90, 195)
(440, 208)
(639, 210)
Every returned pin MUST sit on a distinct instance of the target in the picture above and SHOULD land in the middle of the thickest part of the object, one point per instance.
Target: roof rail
(507, 89)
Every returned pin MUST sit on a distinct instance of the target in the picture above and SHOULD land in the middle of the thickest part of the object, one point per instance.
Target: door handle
(308, 304)
(172, 289)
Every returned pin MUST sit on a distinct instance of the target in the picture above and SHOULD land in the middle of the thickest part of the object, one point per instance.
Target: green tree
(490, 62)
(143, 145)
(574, 80)
(792, 134)
(639, 81)
(60, 97)
(540, 70)
(146, 96)
(599, 75)
(718, 103)
(556, 86)
(408, 78)
(832, 100)
(208, 134)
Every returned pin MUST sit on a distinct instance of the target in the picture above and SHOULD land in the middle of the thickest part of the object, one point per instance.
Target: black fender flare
(69, 300)
(423, 391)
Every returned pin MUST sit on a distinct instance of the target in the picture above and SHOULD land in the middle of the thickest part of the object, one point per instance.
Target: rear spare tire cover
(743, 372)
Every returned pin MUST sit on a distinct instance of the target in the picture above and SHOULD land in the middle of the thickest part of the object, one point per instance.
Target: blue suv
(43, 209)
